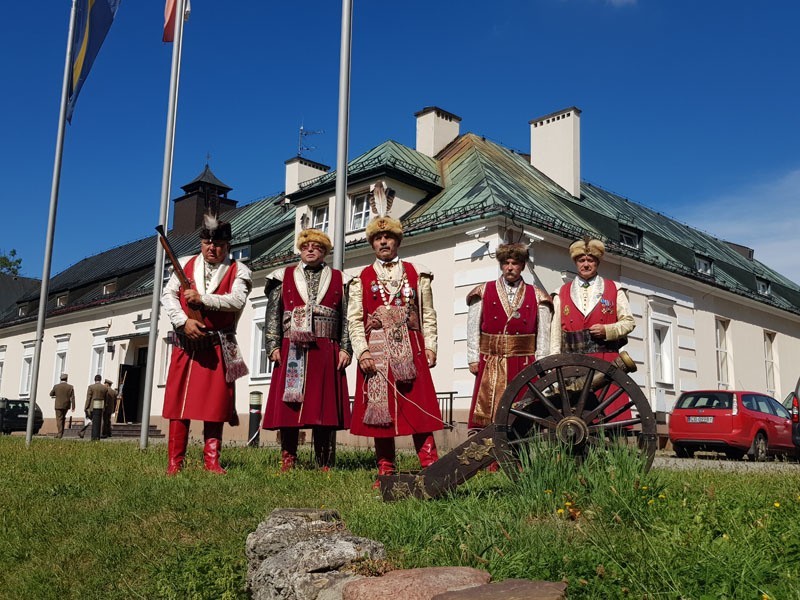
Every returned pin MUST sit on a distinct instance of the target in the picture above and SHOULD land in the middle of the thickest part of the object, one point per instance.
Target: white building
(708, 314)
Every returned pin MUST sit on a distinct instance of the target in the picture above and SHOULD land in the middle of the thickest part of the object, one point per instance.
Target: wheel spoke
(615, 425)
(587, 387)
(613, 415)
(566, 408)
(544, 400)
(538, 420)
(602, 406)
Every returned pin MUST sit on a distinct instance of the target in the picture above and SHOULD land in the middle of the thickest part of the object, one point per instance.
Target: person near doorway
(96, 392)
(64, 395)
(108, 410)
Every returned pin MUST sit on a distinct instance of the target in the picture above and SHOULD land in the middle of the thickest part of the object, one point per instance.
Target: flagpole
(51, 226)
(343, 133)
(166, 184)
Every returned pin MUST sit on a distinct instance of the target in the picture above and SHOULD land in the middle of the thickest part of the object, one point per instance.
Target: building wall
(685, 310)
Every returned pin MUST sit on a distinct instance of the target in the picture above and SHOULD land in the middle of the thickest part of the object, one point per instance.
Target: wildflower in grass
(560, 512)
(662, 496)
(776, 504)
(644, 487)
(725, 536)
(551, 491)
(651, 501)
(567, 503)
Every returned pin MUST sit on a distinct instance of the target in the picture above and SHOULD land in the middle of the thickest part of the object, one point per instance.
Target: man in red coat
(508, 326)
(394, 337)
(205, 360)
(306, 337)
(591, 314)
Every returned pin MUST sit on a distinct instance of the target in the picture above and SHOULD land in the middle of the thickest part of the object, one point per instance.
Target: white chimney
(435, 129)
(299, 170)
(556, 148)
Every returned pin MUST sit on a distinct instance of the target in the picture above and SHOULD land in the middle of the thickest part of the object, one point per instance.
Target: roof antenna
(301, 146)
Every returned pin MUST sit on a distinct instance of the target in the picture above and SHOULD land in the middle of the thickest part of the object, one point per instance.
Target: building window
(723, 358)
(320, 219)
(98, 351)
(109, 288)
(61, 301)
(763, 286)
(241, 253)
(22, 311)
(62, 343)
(2, 362)
(704, 265)
(662, 353)
(630, 238)
(769, 361)
(359, 211)
(27, 369)
(262, 366)
(167, 272)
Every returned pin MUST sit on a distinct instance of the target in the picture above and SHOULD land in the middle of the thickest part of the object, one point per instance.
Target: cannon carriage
(578, 401)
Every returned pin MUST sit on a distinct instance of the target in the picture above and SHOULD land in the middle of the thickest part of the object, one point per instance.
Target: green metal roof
(390, 156)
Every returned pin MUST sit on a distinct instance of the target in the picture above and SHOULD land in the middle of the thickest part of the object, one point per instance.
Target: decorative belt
(508, 345)
(210, 339)
(582, 342)
(325, 322)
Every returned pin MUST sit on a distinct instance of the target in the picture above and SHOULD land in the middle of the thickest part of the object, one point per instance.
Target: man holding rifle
(206, 361)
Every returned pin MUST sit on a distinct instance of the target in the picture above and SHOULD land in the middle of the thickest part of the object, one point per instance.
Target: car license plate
(700, 419)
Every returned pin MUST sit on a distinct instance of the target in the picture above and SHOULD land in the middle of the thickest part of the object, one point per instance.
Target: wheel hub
(572, 431)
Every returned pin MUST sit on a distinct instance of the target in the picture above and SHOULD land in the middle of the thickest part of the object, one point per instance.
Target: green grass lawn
(100, 520)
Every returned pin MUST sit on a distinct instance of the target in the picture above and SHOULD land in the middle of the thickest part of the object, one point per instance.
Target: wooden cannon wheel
(578, 401)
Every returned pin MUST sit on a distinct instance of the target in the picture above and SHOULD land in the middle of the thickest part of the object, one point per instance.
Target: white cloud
(763, 216)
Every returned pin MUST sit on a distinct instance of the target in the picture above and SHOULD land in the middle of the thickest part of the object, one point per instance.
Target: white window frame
(723, 354)
(241, 253)
(359, 211)
(109, 288)
(320, 217)
(663, 356)
(770, 368)
(98, 352)
(630, 238)
(704, 266)
(61, 300)
(60, 362)
(763, 286)
(262, 366)
(27, 369)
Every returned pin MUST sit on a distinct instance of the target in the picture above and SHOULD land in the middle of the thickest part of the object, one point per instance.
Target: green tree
(9, 264)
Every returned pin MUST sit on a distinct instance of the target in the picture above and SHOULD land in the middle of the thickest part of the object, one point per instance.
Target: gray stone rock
(510, 589)
(297, 554)
(415, 584)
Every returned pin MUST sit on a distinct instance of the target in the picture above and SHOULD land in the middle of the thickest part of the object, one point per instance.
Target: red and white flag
(169, 18)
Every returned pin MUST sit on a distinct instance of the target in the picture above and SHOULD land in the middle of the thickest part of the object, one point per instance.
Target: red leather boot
(289, 437)
(425, 446)
(176, 445)
(212, 434)
(385, 455)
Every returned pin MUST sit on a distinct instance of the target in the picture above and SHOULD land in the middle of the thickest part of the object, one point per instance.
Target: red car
(736, 423)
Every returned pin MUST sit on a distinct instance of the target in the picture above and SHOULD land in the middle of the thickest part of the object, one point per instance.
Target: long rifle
(186, 283)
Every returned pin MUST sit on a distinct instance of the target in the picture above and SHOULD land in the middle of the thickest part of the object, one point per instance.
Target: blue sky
(689, 106)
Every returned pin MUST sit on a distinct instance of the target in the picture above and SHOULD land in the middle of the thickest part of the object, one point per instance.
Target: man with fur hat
(306, 336)
(393, 331)
(508, 326)
(206, 360)
(591, 314)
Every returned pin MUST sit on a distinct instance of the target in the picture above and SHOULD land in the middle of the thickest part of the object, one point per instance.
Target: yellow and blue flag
(93, 19)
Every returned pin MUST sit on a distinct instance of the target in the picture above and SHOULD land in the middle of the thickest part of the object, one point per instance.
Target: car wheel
(683, 452)
(734, 454)
(758, 451)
